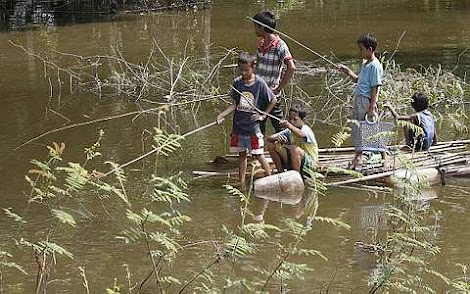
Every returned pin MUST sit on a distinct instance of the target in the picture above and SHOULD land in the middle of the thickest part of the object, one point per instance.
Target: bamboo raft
(446, 159)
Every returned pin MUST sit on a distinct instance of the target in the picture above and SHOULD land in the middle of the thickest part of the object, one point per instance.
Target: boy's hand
(220, 119)
(343, 68)
(285, 124)
(258, 117)
(282, 138)
(372, 112)
(276, 90)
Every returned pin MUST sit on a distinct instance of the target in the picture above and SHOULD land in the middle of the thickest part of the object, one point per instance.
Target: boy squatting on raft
(295, 147)
(367, 88)
(272, 56)
(246, 135)
(422, 118)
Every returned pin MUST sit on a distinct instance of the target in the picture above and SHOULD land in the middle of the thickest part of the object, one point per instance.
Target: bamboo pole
(386, 174)
(155, 149)
(293, 40)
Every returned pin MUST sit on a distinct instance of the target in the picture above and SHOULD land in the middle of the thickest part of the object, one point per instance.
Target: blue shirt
(370, 75)
(427, 122)
(253, 95)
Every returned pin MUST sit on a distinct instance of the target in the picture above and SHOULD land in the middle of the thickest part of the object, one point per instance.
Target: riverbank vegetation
(152, 221)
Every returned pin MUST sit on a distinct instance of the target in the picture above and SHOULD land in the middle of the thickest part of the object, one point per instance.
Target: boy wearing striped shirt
(273, 56)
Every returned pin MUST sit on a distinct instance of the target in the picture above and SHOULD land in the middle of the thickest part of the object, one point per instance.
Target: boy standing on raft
(367, 89)
(248, 92)
(272, 55)
(422, 118)
(294, 148)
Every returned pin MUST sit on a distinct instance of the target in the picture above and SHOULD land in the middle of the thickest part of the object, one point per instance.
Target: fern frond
(64, 217)
(258, 230)
(309, 252)
(13, 265)
(76, 176)
(238, 247)
(236, 193)
(334, 221)
(13, 216)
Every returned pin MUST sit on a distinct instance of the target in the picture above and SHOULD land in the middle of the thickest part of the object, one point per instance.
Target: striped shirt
(271, 58)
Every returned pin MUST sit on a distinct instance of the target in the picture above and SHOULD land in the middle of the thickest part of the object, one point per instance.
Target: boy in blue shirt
(422, 118)
(367, 89)
(248, 92)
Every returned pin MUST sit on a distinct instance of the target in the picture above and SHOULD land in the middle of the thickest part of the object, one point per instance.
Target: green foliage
(338, 139)
(5, 264)
(333, 221)
(169, 190)
(166, 143)
(238, 247)
(91, 152)
(64, 217)
(237, 194)
(13, 215)
(258, 230)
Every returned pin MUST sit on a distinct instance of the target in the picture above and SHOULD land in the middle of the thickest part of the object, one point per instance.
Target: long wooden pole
(155, 149)
(293, 40)
(385, 174)
(254, 106)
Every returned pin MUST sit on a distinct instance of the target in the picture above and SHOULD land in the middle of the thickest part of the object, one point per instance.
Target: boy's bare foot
(241, 187)
(355, 164)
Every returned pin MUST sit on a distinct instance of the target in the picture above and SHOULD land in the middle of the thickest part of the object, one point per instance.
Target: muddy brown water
(436, 32)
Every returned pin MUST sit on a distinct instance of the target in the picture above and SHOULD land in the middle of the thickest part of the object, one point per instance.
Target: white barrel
(287, 182)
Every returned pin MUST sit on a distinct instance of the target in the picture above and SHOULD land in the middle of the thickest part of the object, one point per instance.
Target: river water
(437, 32)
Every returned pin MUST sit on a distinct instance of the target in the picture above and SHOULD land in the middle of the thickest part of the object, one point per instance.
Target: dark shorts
(277, 112)
(305, 163)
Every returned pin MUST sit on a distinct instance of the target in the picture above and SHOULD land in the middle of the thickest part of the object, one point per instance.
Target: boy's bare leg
(357, 159)
(296, 154)
(264, 164)
(275, 156)
(242, 166)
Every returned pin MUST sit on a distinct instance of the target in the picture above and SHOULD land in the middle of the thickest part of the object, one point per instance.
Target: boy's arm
(273, 137)
(400, 117)
(373, 101)
(261, 115)
(286, 78)
(344, 69)
(434, 141)
(280, 136)
(270, 107)
(294, 129)
(223, 114)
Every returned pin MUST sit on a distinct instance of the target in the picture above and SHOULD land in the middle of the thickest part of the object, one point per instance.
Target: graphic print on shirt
(247, 100)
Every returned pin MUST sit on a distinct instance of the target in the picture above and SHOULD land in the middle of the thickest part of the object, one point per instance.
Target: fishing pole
(155, 149)
(256, 108)
(293, 40)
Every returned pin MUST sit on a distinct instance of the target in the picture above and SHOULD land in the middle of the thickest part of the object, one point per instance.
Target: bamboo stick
(293, 40)
(382, 175)
(155, 149)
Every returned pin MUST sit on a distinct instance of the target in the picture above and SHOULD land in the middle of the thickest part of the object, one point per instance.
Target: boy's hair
(368, 41)
(246, 58)
(301, 110)
(266, 17)
(419, 102)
